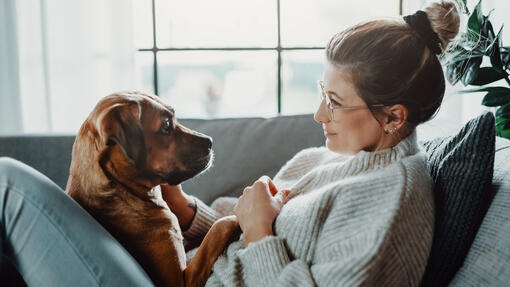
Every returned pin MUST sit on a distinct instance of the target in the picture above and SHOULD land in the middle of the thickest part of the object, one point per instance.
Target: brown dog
(129, 144)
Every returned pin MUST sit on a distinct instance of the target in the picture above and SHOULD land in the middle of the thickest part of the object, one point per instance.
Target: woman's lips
(329, 134)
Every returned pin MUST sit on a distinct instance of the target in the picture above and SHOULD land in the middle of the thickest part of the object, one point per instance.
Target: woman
(358, 211)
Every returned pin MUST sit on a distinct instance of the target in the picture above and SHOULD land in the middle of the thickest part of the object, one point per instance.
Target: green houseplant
(465, 63)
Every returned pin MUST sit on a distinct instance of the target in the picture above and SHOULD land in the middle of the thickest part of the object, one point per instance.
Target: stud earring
(391, 131)
(394, 133)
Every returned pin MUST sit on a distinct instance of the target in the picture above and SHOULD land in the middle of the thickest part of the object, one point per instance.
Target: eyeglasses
(333, 105)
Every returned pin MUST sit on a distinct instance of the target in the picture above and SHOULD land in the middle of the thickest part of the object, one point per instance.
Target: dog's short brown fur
(129, 144)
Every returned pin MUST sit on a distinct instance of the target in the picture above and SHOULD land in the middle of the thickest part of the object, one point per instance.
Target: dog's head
(142, 142)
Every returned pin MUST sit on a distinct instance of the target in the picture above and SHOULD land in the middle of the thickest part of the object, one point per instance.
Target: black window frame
(279, 49)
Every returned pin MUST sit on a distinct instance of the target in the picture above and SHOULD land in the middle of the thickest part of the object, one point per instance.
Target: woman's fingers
(272, 188)
(270, 184)
(282, 195)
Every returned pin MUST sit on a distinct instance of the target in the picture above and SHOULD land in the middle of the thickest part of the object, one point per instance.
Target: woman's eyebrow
(335, 95)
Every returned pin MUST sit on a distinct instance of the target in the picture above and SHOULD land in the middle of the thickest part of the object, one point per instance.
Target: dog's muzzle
(198, 159)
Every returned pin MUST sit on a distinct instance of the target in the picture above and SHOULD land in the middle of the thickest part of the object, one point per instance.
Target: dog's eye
(166, 126)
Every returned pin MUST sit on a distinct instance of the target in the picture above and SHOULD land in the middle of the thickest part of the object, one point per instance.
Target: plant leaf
(457, 61)
(496, 90)
(470, 70)
(487, 32)
(463, 6)
(496, 98)
(495, 53)
(453, 74)
(503, 133)
(462, 54)
(486, 75)
(503, 127)
(475, 22)
(503, 121)
(505, 57)
(503, 111)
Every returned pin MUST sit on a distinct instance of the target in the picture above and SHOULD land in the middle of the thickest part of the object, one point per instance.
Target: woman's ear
(397, 116)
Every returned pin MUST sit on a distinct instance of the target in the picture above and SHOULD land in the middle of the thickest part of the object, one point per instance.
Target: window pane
(411, 6)
(219, 83)
(218, 23)
(142, 23)
(300, 72)
(144, 72)
(313, 22)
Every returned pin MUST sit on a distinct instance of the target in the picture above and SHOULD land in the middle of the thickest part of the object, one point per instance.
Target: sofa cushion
(461, 166)
(487, 261)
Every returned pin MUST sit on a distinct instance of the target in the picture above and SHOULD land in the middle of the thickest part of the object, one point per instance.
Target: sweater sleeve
(202, 222)
(267, 262)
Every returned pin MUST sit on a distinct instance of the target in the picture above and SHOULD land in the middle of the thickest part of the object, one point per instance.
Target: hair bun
(444, 20)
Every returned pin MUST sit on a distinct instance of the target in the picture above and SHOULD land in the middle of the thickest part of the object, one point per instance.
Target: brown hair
(390, 64)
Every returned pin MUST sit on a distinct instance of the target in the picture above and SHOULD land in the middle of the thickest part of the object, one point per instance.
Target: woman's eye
(335, 104)
(166, 126)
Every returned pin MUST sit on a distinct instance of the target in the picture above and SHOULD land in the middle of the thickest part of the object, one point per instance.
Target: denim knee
(9, 169)
(14, 173)
(7, 165)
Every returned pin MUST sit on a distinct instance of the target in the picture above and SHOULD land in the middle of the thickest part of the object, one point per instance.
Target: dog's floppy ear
(120, 125)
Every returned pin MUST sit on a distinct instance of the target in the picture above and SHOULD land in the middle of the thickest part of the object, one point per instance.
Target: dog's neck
(121, 171)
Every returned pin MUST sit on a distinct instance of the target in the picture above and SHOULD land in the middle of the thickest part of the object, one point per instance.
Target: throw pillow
(461, 166)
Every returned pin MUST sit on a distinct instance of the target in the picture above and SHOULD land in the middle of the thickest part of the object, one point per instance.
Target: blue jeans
(52, 241)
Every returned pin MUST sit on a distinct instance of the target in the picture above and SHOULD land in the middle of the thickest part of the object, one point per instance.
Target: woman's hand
(183, 206)
(257, 209)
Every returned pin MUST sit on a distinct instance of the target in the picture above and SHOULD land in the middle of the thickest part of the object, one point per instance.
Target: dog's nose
(208, 142)
(202, 141)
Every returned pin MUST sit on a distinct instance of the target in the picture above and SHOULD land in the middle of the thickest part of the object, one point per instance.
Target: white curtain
(10, 104)
(57, 58)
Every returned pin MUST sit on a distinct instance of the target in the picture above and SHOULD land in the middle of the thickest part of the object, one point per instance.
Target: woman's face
(350, 130)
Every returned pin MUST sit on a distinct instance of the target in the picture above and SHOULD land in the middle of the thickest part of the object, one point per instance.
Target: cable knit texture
(355, 220)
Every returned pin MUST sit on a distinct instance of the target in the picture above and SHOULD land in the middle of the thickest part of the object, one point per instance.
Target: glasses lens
(329, 106)
(331, 112)
(324, 97)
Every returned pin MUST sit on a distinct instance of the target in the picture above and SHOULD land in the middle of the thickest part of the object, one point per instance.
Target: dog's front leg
(223, 231)
(158, 246)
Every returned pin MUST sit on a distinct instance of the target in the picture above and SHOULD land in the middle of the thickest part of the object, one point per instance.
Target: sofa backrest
(49, 154)
(248, 148)
(245, 149)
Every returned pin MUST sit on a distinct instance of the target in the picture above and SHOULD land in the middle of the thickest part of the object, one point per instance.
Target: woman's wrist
(256, 233)
(191, 211)
(181, 204)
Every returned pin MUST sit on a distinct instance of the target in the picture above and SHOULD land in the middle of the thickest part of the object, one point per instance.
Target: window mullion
(279, 51)
(154, 49)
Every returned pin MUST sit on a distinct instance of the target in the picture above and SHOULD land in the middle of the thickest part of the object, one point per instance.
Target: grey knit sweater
(363, 220)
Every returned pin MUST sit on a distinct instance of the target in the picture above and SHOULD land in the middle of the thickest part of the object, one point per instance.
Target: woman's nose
(321, 114)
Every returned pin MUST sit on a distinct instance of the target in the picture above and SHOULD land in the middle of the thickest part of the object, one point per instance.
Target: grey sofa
(246, 148)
